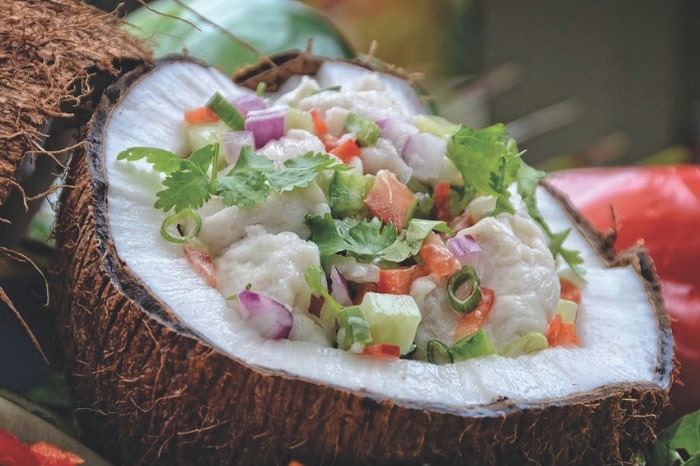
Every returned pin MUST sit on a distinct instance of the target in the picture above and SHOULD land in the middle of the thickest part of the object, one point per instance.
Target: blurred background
(577, 83)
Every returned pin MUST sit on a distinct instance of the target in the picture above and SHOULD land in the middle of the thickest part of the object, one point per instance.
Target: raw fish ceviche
(337, 215)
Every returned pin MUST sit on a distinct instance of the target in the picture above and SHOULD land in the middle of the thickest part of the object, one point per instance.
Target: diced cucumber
(366, 132)
(392, 319)
(204, 134)
(528, 343)
(567, 309)
(347, 191)
(435, 125)
(296, 118)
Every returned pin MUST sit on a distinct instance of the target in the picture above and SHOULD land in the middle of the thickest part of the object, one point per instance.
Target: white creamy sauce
(268, 247)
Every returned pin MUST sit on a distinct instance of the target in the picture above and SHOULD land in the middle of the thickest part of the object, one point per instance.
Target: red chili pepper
(661, 207)
(15, 453)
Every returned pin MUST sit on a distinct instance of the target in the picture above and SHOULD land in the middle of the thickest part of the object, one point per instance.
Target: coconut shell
(56, 57)
(149, 391)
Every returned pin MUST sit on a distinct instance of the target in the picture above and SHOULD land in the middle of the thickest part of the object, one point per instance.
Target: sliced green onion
(472, 346)
(185, 225)
(260, 89)
(475, 345)
(353, 333)
(439, 353)
(459, 278)
(227, 112)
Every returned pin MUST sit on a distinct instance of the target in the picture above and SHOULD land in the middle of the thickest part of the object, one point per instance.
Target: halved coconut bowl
(159, 375)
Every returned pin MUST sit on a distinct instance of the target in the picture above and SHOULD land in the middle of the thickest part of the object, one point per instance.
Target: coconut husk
(56, 58)
(150, 391)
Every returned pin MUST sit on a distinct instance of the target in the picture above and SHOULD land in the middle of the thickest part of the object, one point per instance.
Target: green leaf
(301, 171)
(487, 158)
(408, 244)
(362, 239)
(246, 183)
(162, 160)
(190, 186)
(678, 441)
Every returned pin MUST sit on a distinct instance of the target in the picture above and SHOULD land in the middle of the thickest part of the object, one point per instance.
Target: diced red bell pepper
(382, 350)
(560, 333)
(437, 257)
(471, 322)
(399, 280)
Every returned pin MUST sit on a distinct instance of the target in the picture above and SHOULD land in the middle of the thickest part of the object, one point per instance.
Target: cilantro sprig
(190, 182)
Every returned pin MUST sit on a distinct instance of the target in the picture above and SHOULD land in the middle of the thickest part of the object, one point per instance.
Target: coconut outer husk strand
(56, 58)
(151, 391)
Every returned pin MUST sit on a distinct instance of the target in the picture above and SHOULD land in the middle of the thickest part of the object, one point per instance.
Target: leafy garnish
(488, 161)
(679, 443)
(410, 240)
(362, 239)
(528, 180)
(162, 160)
(190, 182)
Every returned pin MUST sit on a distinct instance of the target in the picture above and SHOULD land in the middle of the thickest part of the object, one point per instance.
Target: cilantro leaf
(162, 160)
(362, 239)
(678, 443)
(246, 183)
(191, 185)
(528, 181)
(301, 171)
(408, 244)
(487, 158)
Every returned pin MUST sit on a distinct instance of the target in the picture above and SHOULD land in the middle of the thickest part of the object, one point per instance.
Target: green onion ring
(462, 276)
(438, 352)
(177, 218)
(227, 112)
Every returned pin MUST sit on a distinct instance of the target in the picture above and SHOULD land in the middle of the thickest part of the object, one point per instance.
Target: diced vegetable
(569, 290)
(439, 260)
(270, 318)
(320, 126)
(435, 125)
(298, 119)
(390, 200)
(526, 344)
(244, 103)
(366, 132)
(465, 249)
(339, 287)
(382, 350)
(472, 346)
(424, 153)
(181, 227)
(266, 125)
(347, 191)
(567, 310)
(560, 333)
(398, 131)
(234, 141)
(441, 201)
(202, 264)
(354, 330)
(199, 115)
(392, 319)
(473, 321)
(346, 150)
(399, 280)
(227, 112)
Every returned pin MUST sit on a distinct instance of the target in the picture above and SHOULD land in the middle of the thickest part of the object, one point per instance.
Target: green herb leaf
(362, 239)
(487, 158)
(190, 186)
(246, 184)
(162, 160)
(408, 244)
(301, 171)
(679, 444)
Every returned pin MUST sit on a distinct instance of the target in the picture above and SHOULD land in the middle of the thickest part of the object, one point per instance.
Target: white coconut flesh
(615, 321)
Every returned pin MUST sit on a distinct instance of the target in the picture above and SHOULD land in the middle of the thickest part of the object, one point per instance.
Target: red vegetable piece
(346, 150)
(441, 196)
(202, 264)
(437, 257)
(569, 291)
(399, 281)
(560, 333)
(382, 350)
(199, 115)
(389, 199)
(473, 321)
(320, 126)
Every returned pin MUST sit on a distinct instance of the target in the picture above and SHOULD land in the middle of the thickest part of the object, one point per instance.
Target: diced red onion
(465, 248)
(424, 153)
(397, 131)
(234, 141)
(266, 125)
(270, 318)
(382, 123)
(339, 288)
(245, 103)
